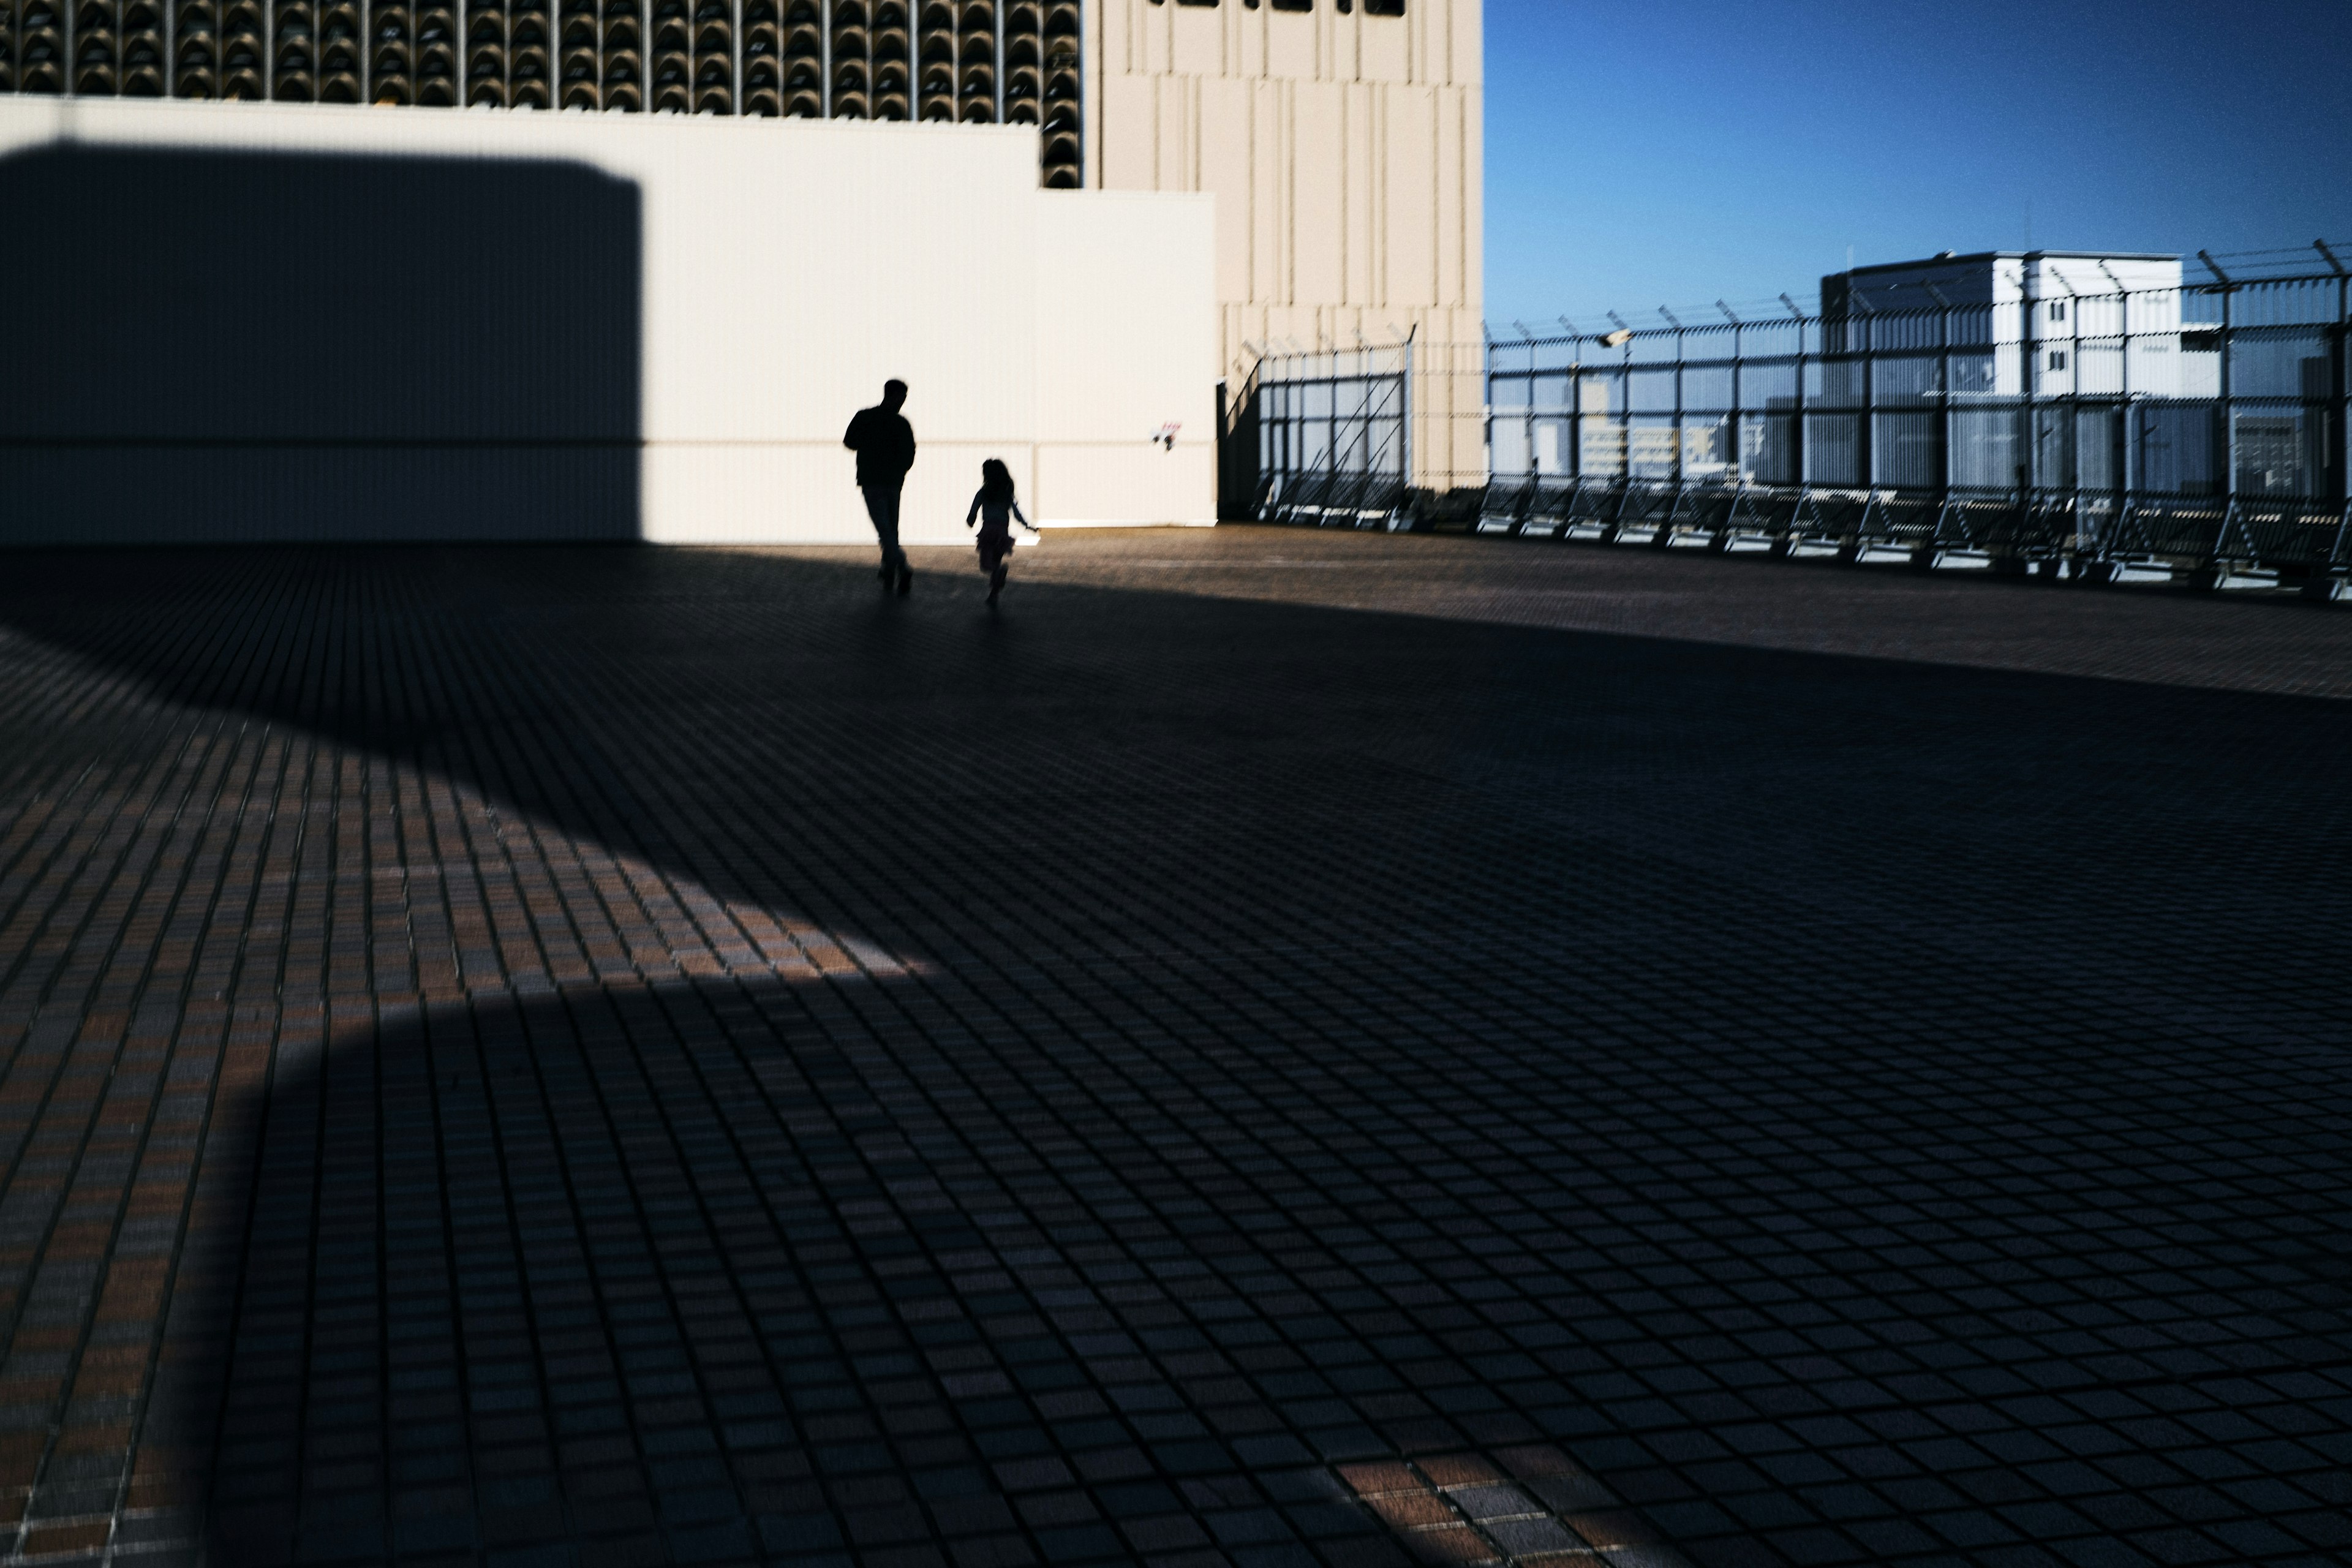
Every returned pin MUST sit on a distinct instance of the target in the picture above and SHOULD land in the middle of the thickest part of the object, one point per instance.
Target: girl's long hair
(995, 480)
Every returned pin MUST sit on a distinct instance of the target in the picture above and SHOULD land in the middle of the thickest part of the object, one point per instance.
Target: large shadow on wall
(210, 346)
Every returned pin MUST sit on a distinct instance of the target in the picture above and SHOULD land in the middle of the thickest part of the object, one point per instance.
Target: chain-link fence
(1331, 435)
(1366, 436)
(2199, 427)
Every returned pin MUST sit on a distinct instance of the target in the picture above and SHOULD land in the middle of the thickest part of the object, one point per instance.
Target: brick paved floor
(1278, 1048)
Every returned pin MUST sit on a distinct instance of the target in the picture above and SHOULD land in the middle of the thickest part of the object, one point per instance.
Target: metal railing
(1333, 438)
(2200, 428)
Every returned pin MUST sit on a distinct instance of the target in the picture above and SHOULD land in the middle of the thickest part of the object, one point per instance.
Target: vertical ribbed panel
(1022, 70)
(294, 52)
(625, 56)
(530, 58)
(1063, 153)
(40, 52)
(803, 36)
(392, 52)
(244, 52)
(343, 52)
(669, 56)
(577, 71)
(852, 45)
(143, 59)
(714, 57)
(97, 44)
(976, 62)
(763, 58)
(893, 46)
(484, 57)
(935, 64)
(436, 54)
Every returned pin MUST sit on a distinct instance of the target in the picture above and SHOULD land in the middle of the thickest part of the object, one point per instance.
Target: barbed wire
(2268, 265)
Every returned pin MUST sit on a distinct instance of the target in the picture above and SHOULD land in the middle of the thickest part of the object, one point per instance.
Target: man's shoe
(905, 581)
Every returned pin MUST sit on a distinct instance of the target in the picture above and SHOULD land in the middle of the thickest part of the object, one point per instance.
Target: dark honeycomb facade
(980, 62)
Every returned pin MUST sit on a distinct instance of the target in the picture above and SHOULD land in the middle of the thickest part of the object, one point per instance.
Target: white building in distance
(2089, 324)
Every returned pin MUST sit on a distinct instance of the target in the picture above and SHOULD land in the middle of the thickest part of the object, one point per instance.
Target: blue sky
(1642, 152)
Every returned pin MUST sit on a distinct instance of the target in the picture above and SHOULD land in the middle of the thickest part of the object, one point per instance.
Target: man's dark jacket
(885, 445)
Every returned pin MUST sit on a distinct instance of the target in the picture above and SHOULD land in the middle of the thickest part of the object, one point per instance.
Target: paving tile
(1274, 1048)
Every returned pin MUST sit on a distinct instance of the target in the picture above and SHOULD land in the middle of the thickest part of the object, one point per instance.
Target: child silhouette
(997, 511)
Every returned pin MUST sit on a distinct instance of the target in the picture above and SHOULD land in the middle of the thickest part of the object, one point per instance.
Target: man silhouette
(885, 445)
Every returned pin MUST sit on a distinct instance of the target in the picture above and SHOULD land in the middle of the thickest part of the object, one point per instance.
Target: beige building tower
(1341, 139)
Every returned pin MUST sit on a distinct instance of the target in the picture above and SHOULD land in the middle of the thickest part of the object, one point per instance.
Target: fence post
(2209, 575)
(1734, 433)
(1923, 556)
(1663, 536)
(1621, 429)
(1783, 541)
(2103, 569)
(2343, 384)
(2337, 431)
(1532, 484)
(2004, 558)
(1575, 464)
(2067, 423)
(1866, 423)
(1405, 391)
(2343, 411)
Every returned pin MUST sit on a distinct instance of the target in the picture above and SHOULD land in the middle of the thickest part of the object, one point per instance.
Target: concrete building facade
(1337, 143)
(1341, 138)
(1343, 144)
(1015, 62)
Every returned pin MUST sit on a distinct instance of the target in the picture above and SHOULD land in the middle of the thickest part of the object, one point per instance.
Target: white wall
(2082, 309)
(785, 268)
(1104, 388)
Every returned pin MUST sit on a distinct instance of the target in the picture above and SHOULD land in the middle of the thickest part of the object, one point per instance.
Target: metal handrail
(2202, 427)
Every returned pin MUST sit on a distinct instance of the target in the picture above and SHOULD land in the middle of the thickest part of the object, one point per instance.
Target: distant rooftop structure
(1995, 277)
(2045, 310)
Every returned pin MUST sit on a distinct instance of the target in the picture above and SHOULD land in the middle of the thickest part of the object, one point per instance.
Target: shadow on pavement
(711, 1066)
